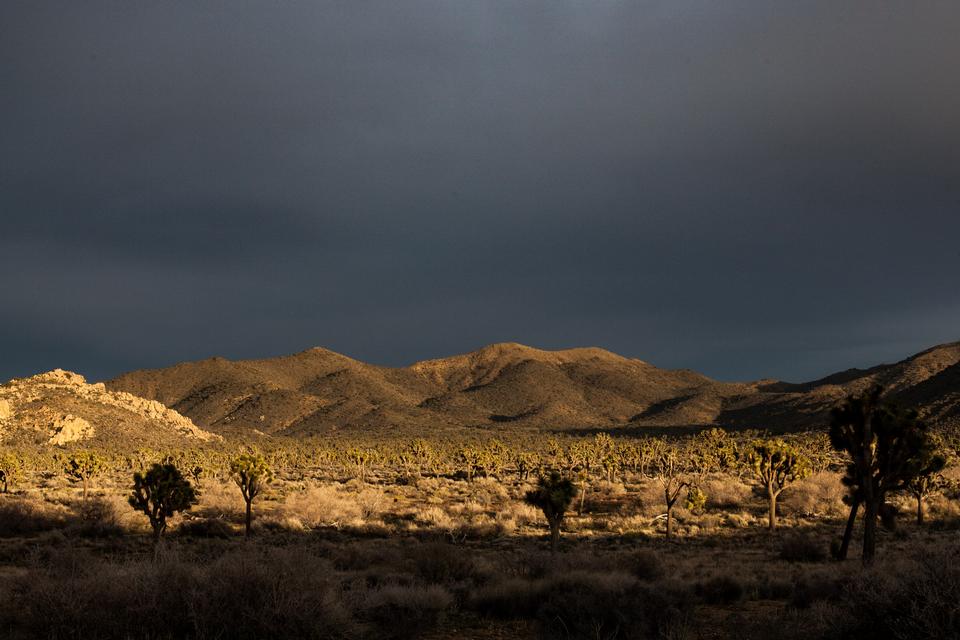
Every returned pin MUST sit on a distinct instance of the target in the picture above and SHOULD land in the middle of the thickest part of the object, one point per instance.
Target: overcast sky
(749, 189)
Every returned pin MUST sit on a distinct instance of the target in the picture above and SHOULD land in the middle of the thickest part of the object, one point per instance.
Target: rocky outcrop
(59, 407)
(70, 428)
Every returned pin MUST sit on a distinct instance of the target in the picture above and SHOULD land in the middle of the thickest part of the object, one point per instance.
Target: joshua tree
(553, 496)
(579, 460)
(927, 481)
(421, 454)
(83, 466)
(361, 459)
(582, 474)
(672, 470)
(471, 459)
(776, 465)
(888, 447)
(495, 456)
(713, 450)
(11, 466)
(525, 461)
(159, 493)
(252, 474)
(196, 472)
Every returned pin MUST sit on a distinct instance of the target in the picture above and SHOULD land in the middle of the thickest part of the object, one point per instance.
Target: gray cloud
(747, 189)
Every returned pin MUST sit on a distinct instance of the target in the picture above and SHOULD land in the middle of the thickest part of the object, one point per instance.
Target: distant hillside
(511, 386)
(499, 386)
(60, 408)
(929, 380)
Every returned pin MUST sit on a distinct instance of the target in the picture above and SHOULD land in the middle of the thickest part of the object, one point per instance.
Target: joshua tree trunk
(848, 532)
(554, 534)
(870, 529)
(583, 496)
(919, 509)
(249, 518)
(669, 521)
(773, 509)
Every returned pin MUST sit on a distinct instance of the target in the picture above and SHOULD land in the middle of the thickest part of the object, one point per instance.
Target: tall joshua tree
(252, 474)
(159, 493)
(776, 465)
(673, 471)
(553, 496)
(83, 466)
(887, 447)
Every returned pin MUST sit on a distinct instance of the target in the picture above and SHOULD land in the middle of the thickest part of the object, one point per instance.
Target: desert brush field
(420, 538)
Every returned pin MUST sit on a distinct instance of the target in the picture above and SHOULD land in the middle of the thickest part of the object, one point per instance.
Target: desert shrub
(720, 590)
(606, 489)
(708, 522)
(817, 495)
(944, 507)
(96, 518)
(441, 563)
(283, 593)
(482, 527)
(205, 528)
(370, 502)
(103, 600)
(468, 508)
(727, 492)
(583, 604)
(22, 516)
(360, 557)
(219, 500)
(488, 492)
(507, 526)
(917, 599)
(243, 595)
(650, 498)
(740, 520)
(322, 505)
(508, 599)
(771, 587)
(696, 500)
(812, 588)
(406, 611)
(278, 524)
(522, 513)
(802, 547)
(819, 621)
(646, 565)
(607, 605)
(436, 518)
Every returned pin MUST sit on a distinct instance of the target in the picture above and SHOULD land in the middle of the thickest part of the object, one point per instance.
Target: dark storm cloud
(747, 189)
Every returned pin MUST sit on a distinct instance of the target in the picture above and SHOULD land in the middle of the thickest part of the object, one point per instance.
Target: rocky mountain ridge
(59, 407)
(511, 386)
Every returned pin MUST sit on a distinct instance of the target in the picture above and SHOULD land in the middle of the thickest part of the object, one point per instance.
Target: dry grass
(323, 506)
(820, 495)
(67, 568)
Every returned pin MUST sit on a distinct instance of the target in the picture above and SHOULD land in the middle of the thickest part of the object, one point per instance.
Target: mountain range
(511, 386)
